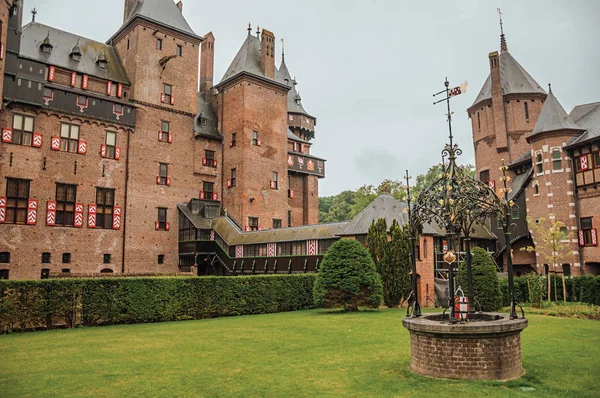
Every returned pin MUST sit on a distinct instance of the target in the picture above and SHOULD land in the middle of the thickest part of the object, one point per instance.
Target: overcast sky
(367, 69)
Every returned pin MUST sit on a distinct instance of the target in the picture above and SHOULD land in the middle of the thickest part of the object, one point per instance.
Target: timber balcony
(306, 164)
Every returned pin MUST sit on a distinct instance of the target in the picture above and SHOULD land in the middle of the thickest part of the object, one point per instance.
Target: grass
(571, 310)
(294, 354)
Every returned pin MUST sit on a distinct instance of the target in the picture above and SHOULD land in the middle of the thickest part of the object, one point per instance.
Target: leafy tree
(552, 246)
(336, 208)
(485, 280)
(347, 278)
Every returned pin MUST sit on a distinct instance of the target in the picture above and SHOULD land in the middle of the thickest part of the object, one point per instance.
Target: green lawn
(304, 353)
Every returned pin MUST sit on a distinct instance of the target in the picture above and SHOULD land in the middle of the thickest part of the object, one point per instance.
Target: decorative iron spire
(282, 53)
(33, 12)
(503, 46)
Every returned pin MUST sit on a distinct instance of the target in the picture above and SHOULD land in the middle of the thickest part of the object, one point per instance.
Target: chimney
(180, 6)
(267, 53)
(207, 63)
(498, 104)
(129, 5)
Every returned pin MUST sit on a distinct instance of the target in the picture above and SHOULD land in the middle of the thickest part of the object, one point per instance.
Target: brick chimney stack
(180, 6)
(129, 5)
(267, 53)
(498, 104)
(207, 63)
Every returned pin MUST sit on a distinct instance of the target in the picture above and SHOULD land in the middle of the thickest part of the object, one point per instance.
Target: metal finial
(503, 46)
(249, 28)
(282, 52)
(33, 12)
(257, 30)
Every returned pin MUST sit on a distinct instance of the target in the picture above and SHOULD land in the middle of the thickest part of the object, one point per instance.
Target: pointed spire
(282, 53)
(257, 30)
(503, 46)
(249, 28)
(553, 117)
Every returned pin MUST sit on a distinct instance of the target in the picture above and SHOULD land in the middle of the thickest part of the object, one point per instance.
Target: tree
(552, 246)
(347, 278)
(485, 280)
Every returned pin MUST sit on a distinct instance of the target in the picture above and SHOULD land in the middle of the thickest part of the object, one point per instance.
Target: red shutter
(203, 161)
(230, 144)
(117, 153)
(295, 147)
(162, 97)
(51, 212)
(259, 143)
(583, 159)
(170, 137)
(108, 88)
(119, 90)
(160, 135)
(73, 79)
(37, 140)
(167, 226)
(594, 237)
(214, 162)
(82, 147)
(229, 183)
(272, 184)
(291, 192)
(492, 185)
(32, 205)
(156, 225)
(92, 215)
(247, 228)
(116, 224)
(2, 51)
(6, 134)
(301, 147)
(55, 143)
(202, 195)
(78, 223)
(51, 72)
(168, 180)
(172, 100)
(215, 196)
(84, 82)
(2, 209)
(158, 180)
(581, 238)
(103, 150)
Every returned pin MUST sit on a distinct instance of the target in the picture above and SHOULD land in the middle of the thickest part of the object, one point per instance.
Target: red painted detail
(32, 205)
(108, 88)
(84, 82)
(116, 224)
(2, 209)
(37, 140)
(78, 221)
(117, 153)
(51, 73)
(215, 196)
(73, 79)
(92, 209)
(82, 147)
(119, 90)
(51, 213)
(7, 134)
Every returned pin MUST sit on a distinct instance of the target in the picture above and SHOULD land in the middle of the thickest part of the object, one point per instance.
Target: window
(556, 161)
(276, 223)
(514, 212)
(203, 121)
(539, 166)
(3, 274)
(48, 92)
(22, 129)
(210, 158)
(298, 248)
(325, 244)
(179, 51)
(66, 270)
(17, 195)
(45, 273)
(208, 188)
(4, 257)
(536, 188)
(159, 44)
(168, 91)
(69, 137)
(128, 44)
(484, 176)
(424, 248)
(165, 128)
(82, 100)
(478, 121)
(105, 202)
(233, 139)
(500, 222)
(586, 227)
(275, 182)
(162, 218)
(111, 144)
(66, 258)
(106, 258)
(566, 269)
(233, 177)
(106, 271)
(45, 258)
(253, 223)
(255, 138)
(163, 173)
(289, 218)
(596, 159)
(65, 204)
(284, 248)
(564, 233)
(161, 258)
(118, 109)
(526, 111)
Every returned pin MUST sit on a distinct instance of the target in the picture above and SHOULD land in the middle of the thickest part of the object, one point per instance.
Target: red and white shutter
(156, 225)
(162, 97)
(239, 250)
(2, 209)
(271, 250)
(116, 222)
(214, 162)
(82, 147)
(6, 134)
(84, 82)
(272, 184)
(215, 196)
(203, 161)
(167, 226)
(301, 147)
(581, 237)
(295, 147)
(172, 99)
(108, 88)
(158, 180)
(291, 193)
(119, 90)
(492, 185)
(92, 209)
(103, 150)
(259, 142)
(170, 139)
(594, 236)
(78, 223)
(37, 140)
(73, 79)
(202, 195)
(32, 205)
(51, 73)
(55, 143)
(117, 153)
(583, 159)
(229, 183)
(312, 247)
(51, 212)
(247, 228)
(169, 181)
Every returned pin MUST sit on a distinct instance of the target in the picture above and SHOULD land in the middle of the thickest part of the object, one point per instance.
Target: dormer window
(101, 61)
(46, 46)
(76, 53)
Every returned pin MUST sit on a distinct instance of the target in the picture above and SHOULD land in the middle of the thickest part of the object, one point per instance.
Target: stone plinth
(486, 348)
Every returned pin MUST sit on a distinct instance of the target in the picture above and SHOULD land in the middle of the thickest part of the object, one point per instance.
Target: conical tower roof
(553, 117)
(246, 60)
(294, 101)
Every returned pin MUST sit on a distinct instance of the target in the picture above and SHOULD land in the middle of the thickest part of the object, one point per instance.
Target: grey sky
(367, 69)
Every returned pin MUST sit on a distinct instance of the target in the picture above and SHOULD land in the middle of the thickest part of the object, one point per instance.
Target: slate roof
(33, 34)
(513, 79)
(384, 206)
(196, 219)
(526, 157)
(294, 137)
(161, 12)
(553, 117)
(246, 60)
(587, 116)
(282, 75)
(519, 183)
(209, 129)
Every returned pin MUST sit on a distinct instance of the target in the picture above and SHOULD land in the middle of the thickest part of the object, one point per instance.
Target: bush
(347, 278)
(486, 287)
(30, 305)
(584, 289)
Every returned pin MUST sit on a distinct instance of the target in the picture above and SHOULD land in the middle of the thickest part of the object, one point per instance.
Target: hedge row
(583, 289)
(32, 305)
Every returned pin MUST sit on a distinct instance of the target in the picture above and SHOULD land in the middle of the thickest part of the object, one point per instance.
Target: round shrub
(485, 280)
(347, 278)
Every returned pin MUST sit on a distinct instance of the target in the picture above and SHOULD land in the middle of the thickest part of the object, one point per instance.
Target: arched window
(106, 271)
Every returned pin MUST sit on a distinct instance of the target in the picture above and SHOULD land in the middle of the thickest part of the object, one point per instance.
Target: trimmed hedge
(32, 305)
(583, 289)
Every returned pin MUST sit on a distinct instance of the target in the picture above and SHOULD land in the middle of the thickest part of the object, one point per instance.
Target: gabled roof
(205, 111)
(587, 116)
(161, 12)
(33, 34)
(553, 117)
(514, 79)
(282, 75)
(519, 183)
(384, 206)
(246, 60)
